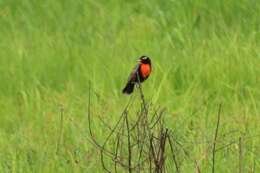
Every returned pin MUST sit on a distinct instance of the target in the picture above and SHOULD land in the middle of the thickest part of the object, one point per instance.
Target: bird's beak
(138, 60)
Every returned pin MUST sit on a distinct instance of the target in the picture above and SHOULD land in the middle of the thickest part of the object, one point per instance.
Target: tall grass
(203, 53)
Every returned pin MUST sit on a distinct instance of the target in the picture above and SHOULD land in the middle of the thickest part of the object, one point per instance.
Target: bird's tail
(129, 88)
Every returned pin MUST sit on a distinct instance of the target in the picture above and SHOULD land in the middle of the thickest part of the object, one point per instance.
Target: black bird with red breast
(140, 73)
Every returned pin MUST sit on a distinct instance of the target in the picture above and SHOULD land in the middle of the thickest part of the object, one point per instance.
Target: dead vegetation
(143, 143)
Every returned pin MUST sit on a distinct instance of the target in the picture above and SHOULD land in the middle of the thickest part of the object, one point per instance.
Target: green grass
(203, 53)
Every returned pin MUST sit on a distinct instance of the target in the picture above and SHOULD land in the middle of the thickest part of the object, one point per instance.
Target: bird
(140, 73)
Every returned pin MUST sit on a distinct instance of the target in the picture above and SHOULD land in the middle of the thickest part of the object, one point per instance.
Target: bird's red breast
(145, 70)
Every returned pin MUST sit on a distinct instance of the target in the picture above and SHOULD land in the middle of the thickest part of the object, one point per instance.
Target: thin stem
(129, 145)
(173, 154)
(215, 141)
(60, 130)
(240, 155)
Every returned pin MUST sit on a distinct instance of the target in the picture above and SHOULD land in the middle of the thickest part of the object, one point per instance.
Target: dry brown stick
(173, 155)
(143, 119)
(116, 125)
(235, 142)
(145, 110)
(107, 139)
(157, 119)
(162, 148)
(118, 142)
(102, 160)
(102, 148)
(141, 92)
(140, 143)
(89, 122)
(60, 130)
(129, 145)
(109, 128)
(187, 154)
(139, 118)
(215, 140)
(143, 104)
(154, 115)
(160, 145)
(137, 122)
(240, 157)
(116, 153)
(150, 159)
(153, 153)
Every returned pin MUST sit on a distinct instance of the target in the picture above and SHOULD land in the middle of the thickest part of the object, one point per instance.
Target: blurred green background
(203, 52)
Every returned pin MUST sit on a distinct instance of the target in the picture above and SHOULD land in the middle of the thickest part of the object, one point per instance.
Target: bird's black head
(145, 60)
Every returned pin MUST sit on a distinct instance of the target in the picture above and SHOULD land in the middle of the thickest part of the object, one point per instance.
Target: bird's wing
(132, 77)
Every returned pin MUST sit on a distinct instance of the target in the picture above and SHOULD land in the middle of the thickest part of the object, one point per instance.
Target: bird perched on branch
(140, 73)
